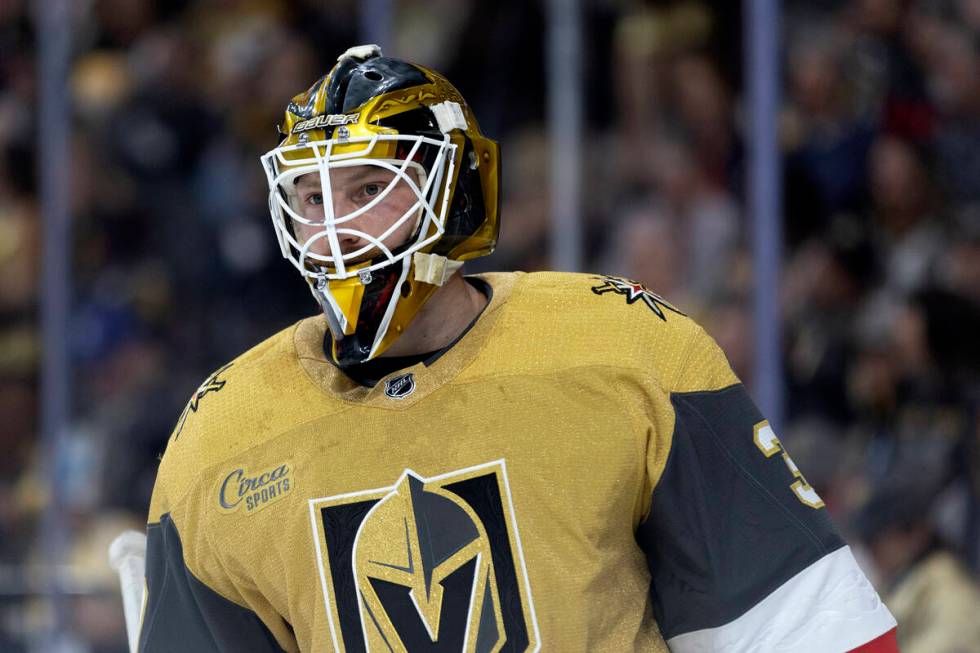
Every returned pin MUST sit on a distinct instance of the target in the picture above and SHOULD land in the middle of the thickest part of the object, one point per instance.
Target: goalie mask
(381, 187)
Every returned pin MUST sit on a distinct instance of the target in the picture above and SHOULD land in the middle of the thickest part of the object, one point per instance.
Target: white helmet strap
(449, 115)
(434, 269)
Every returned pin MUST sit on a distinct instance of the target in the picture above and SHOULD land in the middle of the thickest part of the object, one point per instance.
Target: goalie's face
(383, 206)
(350, 214)
(381, 186)
(343, 209)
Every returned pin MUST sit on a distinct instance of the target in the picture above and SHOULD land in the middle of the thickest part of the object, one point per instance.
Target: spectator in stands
(931, 594)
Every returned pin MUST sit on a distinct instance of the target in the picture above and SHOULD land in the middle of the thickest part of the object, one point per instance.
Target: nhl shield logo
(427, 564)
(401, 386)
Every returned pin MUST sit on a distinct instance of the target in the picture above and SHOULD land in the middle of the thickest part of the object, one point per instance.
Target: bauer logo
(331, 120)
(254, 490)
(400, 386)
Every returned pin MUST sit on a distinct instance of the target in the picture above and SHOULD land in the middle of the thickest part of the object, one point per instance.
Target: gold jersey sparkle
(524, 491)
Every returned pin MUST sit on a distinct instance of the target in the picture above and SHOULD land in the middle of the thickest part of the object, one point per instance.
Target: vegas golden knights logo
(426, 565)
(634, 291)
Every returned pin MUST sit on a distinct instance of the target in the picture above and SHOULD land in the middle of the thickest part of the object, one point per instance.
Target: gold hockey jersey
(581, 471)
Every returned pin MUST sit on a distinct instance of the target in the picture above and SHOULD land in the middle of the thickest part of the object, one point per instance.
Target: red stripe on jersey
(884, 644)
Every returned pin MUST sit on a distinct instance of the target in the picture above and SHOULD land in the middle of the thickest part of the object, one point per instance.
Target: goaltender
(500, 462)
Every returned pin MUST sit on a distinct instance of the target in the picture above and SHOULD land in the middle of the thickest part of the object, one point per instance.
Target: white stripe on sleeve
(828, 607)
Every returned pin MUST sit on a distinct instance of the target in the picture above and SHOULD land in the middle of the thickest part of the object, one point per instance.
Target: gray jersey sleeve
(183, 614)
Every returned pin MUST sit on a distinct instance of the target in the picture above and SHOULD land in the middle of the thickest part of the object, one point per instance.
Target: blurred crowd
(175, 270)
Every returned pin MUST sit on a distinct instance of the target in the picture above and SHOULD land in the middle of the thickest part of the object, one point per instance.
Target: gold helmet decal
(426, 564)
(383, 181)
(438, 585)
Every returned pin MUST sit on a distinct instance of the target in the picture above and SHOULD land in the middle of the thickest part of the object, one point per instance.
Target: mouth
(318, 268)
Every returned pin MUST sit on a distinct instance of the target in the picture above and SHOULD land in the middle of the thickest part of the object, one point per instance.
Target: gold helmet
(419, 583)
(381, 187)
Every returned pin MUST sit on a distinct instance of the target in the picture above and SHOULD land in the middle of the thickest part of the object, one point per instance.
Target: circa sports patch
(634, 291)
(426, 564)
(254, 489)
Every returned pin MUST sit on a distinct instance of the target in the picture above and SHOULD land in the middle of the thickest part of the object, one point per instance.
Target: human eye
(315, 199)
(372, 189)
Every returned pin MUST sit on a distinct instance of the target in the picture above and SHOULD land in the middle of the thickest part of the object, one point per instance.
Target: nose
(350, 243)
(342, 205)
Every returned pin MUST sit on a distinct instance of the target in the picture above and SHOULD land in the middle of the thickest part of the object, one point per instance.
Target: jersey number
(770, 445)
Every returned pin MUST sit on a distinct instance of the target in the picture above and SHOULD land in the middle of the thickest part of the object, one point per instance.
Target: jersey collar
(428, 375)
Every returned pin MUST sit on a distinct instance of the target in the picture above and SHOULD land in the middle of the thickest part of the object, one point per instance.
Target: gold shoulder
(238, 406)
(704, 366)
(562, 320)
